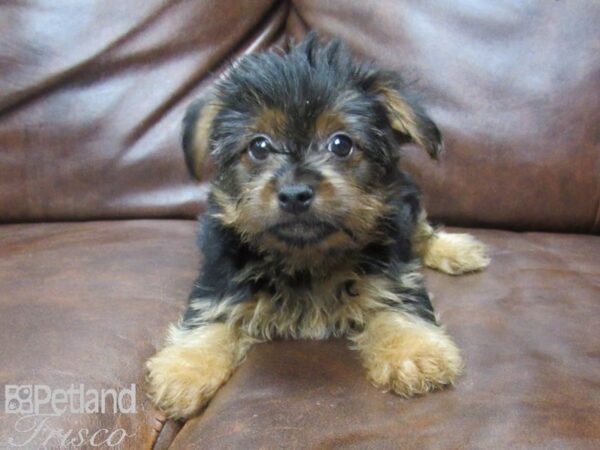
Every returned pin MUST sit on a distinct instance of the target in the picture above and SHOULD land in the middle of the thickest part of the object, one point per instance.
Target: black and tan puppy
(312, 229)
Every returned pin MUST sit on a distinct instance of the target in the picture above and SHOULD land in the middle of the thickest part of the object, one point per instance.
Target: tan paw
(455, 253)
(184, 376)
(408, 357)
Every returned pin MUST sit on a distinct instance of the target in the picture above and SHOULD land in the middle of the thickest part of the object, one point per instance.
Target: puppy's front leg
(205, 347)
(406, 354)
(187, 372)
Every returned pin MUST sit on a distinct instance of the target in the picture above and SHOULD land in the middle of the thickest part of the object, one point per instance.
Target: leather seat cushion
(87, 303)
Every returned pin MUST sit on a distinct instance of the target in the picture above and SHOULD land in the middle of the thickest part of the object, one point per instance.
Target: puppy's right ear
(406, 116)
(197, 130)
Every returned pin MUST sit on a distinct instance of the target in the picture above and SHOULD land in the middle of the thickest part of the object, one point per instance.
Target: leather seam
(596, 224)
(158, 432)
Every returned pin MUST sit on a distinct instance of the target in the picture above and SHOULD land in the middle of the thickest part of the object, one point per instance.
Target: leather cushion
(92, 95)
(88, 303)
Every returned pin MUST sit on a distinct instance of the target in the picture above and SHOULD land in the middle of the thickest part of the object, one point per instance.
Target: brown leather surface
(92, 94)
(88, 304)
(528, 328)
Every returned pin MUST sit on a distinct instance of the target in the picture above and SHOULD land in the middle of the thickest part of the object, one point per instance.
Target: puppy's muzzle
(295, 198)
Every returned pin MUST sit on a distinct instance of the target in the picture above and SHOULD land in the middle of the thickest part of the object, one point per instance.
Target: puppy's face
(306, 146)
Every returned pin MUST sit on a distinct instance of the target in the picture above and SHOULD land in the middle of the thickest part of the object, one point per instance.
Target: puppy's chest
(308, 307)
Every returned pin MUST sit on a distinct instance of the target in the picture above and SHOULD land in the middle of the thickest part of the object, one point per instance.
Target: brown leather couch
(97, 245)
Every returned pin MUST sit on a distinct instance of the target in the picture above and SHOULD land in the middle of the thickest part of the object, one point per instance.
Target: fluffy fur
(451, 253)
(312, 229)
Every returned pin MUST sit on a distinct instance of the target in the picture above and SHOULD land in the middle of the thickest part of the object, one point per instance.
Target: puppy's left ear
(197, 130)
(408, 118)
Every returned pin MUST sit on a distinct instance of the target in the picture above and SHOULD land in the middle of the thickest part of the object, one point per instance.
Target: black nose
(295, 198)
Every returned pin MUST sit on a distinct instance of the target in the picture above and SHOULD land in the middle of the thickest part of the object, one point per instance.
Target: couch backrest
(92, 94)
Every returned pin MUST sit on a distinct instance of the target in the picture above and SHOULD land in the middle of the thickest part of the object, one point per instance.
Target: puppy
(312, 229)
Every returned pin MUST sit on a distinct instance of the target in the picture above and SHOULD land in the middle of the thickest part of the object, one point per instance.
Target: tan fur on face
(338, 200)
(406, 354)
(451, 253)
(328, 122)
(228, 214)
(360, 209)
(252, 210)
(270, 121)
(184, 375)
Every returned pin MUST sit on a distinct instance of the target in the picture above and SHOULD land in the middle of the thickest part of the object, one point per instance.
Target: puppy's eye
(340, 145)
(259, 148)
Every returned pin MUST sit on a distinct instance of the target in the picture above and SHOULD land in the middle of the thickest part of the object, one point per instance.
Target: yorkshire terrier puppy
(312, 229)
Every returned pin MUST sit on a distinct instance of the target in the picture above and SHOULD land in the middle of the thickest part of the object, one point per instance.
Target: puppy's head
(306, 147)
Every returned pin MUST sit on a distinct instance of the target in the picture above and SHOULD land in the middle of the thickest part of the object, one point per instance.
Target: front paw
(409, 357)
(455, 253)
(184, 376)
